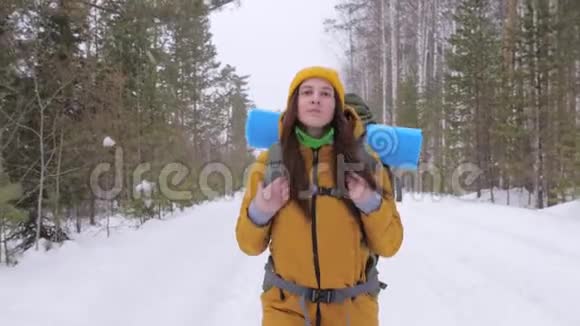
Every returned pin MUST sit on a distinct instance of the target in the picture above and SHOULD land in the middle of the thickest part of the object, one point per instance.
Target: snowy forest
(101, 95)
(493, 84)
(99, 99)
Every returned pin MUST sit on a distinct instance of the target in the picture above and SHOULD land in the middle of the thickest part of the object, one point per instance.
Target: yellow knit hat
(329, 74)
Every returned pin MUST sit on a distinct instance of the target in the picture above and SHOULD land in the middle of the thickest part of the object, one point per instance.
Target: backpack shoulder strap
(274, 164)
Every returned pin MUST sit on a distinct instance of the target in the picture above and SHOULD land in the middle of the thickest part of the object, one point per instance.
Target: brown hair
(345, 145)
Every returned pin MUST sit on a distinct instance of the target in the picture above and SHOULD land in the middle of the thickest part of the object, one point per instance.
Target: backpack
(366, 115)
(274, 169)
(360, 107)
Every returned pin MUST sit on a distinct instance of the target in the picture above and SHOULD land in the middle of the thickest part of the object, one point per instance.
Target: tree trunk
(384, 61)
(5, 242)
(477, 145)
(42, 171)
(2, 241)
(421, 31)
(428, 40)
(2, 237)
(508, 35)
(508, 191)
(366, 91)
(78, 218)
(575, 99)
(351, 78)
(394, 58)
(575, 109)
(57, 213)
(540, 178)
(92, 212)
(535, 104)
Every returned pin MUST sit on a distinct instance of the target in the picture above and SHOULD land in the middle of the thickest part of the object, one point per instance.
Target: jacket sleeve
(383, 226)
(252, 239)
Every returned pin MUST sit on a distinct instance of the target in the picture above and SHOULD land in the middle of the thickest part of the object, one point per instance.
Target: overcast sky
(270, 40)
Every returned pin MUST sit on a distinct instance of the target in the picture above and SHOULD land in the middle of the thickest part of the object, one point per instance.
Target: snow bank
(516, 197)
(570, 209)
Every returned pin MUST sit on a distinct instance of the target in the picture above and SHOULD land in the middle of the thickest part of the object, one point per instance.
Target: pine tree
(566, 79)
(237, 156)
(511, 145)
(470, 88)
(537, 66)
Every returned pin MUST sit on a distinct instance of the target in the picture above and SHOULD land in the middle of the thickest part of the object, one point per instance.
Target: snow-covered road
(462, 263)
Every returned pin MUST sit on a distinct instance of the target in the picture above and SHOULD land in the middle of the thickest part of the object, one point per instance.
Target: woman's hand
(358, 189)
(271, 198)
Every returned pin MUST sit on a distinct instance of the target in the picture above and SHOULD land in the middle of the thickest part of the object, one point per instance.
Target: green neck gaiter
(312, 142)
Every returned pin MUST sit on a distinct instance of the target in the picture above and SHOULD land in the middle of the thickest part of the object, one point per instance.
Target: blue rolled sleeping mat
(398, 147)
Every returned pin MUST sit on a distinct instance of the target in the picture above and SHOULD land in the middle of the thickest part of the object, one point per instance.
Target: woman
(325, 217)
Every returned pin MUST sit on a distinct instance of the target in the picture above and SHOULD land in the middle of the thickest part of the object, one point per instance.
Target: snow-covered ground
(462, 263)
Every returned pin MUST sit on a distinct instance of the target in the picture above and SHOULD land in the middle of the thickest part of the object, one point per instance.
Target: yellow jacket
(341, 251)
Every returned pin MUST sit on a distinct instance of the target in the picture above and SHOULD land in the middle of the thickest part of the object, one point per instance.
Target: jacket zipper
(313, 215)
(314, 234)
